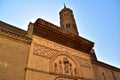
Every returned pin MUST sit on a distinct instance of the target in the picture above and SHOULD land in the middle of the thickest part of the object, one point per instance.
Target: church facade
(48, 52)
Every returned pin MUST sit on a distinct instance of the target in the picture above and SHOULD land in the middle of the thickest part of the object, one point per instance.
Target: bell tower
(67, 21)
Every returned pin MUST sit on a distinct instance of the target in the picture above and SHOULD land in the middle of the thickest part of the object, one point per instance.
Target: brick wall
(13, 59)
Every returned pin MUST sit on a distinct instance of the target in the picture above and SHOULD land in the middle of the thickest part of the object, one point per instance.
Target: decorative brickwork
(57, 47)
(44, 51)
(15, 37)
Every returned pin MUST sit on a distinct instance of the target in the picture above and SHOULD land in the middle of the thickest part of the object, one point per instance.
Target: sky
(97, 21)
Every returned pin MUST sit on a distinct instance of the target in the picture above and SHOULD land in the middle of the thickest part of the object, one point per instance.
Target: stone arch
(64, 64)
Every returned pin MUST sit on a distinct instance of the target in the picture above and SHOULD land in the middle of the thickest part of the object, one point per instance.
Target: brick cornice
(52, 32)
(14, 36)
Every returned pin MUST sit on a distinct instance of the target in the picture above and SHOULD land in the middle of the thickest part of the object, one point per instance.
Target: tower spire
(67, 21)
(64, 5)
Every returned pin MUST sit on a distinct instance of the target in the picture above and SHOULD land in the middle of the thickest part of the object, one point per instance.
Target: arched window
(68, 26)
(64, 65)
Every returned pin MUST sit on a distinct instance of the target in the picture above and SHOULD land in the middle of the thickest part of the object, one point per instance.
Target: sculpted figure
(66, 65)
(55, 68)
(60, 67)
(71, 69)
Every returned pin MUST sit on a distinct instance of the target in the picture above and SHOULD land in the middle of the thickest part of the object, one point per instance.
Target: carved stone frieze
(83, 62)
(58, 47)
(41, 50)
(15, 37)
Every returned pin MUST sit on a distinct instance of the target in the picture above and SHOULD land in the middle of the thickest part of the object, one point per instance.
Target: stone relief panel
(64, 65)
(45, 48)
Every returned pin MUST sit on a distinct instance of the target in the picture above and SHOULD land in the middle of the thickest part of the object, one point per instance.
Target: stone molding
(58, 76)
(15, 37)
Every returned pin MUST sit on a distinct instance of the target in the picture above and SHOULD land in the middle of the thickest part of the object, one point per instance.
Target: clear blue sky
(97, 20)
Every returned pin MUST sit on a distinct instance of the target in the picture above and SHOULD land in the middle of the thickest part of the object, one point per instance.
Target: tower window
(68, 25)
